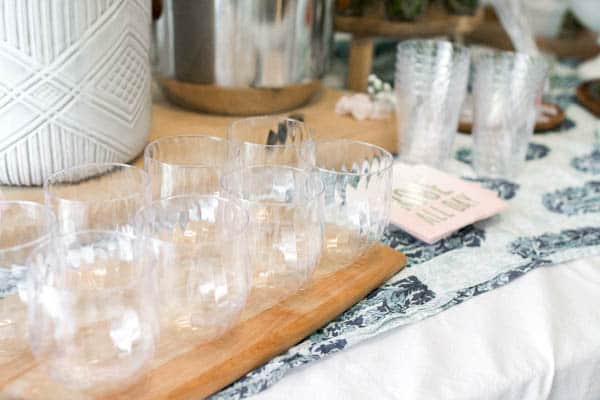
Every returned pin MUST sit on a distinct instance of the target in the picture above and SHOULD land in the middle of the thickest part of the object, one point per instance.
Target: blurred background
(504, 24)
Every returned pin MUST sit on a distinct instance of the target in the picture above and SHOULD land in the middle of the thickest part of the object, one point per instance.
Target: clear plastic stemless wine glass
(202, 250)
(358, 185)
(104, 196)
(23, 226)
(93, 322)
(506, 88)
(430, 84)
(286, 232)
(180, 165)
(270, 140)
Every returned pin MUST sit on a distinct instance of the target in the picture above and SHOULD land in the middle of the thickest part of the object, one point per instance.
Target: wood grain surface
(319, 114)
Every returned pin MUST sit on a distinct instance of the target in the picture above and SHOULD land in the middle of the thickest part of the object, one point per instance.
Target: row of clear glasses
(431, 83)
(120, 256)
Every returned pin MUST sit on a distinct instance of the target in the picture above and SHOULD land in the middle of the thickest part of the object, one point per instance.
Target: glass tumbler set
(120, 256)
(431, 82)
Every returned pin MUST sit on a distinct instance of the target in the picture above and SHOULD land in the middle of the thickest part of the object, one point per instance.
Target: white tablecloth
(536, 338)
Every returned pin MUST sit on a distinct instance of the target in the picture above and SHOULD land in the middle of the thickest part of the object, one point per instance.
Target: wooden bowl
(588, 98)
(540, 127)
(238, 101)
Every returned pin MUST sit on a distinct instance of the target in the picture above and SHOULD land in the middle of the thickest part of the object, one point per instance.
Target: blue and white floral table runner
(554, 216)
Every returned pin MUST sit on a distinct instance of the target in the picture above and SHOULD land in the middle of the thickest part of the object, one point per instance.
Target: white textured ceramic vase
(74, 84)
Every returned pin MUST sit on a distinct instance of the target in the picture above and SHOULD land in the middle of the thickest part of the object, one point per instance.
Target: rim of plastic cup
(158, 141)
(310, 132)
(539, 65)
(143, 174)
(405, 44)
(387, 155)
(489, 54)
(38, 240)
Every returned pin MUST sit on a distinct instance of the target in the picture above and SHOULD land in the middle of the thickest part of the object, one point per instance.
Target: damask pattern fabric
(535, 151)
(554, 216)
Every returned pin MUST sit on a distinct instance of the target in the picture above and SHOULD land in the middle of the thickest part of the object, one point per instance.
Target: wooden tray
(184, 370)
(435, 21)
(588, 99)
(540, 127)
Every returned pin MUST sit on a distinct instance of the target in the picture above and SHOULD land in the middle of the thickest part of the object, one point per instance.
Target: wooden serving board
(552, 122)
(434, 22)
(183, 370)
(587, 98)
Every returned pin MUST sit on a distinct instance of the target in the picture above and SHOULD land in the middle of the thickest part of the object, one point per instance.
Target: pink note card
(431, 204)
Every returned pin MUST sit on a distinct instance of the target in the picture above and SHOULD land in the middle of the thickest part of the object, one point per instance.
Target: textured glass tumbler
(202, 249)
(23, 226)
(286, 232)
(182, 165)
(93, 322)
(358, 185)
(430, 85)
(506, 88)
(97, 196)
(270, 140)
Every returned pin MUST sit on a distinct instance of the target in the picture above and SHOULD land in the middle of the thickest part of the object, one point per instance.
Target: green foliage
(462, 6)
(406, 10)
(595, 90)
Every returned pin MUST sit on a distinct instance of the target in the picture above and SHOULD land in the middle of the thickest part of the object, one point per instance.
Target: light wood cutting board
(182, 370)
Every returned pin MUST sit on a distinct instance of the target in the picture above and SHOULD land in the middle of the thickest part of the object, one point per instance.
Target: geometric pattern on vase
(75, 84)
